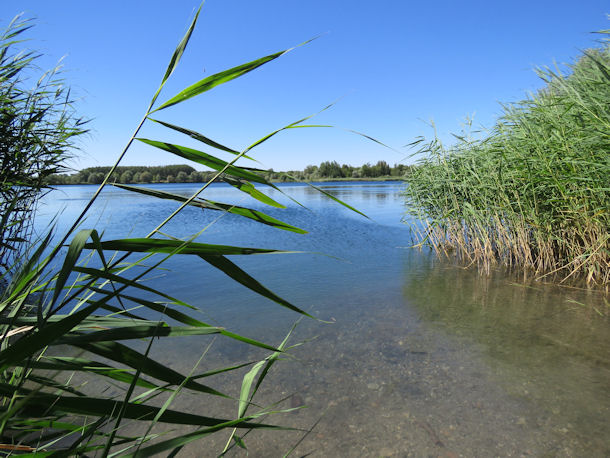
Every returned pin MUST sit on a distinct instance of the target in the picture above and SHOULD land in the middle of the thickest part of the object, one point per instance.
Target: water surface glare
(422, 357)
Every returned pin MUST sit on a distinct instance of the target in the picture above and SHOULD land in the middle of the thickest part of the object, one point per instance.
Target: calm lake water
(422, 358)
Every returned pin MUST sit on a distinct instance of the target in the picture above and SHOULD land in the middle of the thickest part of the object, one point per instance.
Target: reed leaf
(43, 403)
(184, 439)
(249, 189)
(136, 332)
(219, 78)
(339, 201)
(173, 63)
(205, 159)
(197, 136)
(255, 215)
(143, 245)
(33, 342)
(204, 204)
(86, 365)
(239, 275)
(103, 274)
(122, 354)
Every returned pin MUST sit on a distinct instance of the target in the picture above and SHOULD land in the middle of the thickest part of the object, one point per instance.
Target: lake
(421, 357)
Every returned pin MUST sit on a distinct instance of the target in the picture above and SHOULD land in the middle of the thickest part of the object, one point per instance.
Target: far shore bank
(317, 180)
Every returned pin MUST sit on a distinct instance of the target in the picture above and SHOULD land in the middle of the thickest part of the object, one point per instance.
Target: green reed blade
(219, 78)
(245, 398)
(41, 403)
(255, 215)
(187, 438)
(33, 342)
(205, 159)
(173, 63)
(86, 365)
(93, 321)
(137, 332)
(74, 251)
(339, 201)
(249, 188)
(166, 310)
(50, 383)
(199, 137)
(26, 275)
(122, 354)
(99, 273)
(241, 276)
(142, 245)
(246, 384)
(221, 371)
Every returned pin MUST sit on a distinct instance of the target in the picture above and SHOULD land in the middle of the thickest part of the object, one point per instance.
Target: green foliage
(332, 169)
(146, 177)
(133, 173)
(126, 177)
(38, 128)
(534, 193)
(187, 174)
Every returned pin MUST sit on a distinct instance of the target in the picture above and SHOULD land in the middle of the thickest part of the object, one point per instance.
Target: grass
(534, 193)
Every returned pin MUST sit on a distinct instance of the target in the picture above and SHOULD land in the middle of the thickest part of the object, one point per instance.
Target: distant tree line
(332, 169)
(135, 174)
(187, 174)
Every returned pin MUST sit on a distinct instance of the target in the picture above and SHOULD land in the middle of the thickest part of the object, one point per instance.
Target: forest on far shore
(187, 174)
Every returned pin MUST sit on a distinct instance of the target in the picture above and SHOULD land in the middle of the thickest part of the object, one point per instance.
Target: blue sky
(394, 65)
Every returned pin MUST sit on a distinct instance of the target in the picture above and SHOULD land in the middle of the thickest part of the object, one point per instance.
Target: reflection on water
(546, 345)
(422, 358)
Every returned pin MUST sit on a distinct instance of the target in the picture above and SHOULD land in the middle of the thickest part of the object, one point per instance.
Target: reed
(534, 192)
(83, 314)
(38, 129)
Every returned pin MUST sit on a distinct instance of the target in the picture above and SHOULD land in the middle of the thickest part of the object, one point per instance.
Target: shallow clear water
(423, 358)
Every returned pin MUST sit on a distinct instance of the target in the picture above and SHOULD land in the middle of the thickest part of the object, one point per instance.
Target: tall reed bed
(534, 193)
(38, 128)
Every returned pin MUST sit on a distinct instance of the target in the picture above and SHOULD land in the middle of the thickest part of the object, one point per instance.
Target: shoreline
(317, 180)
